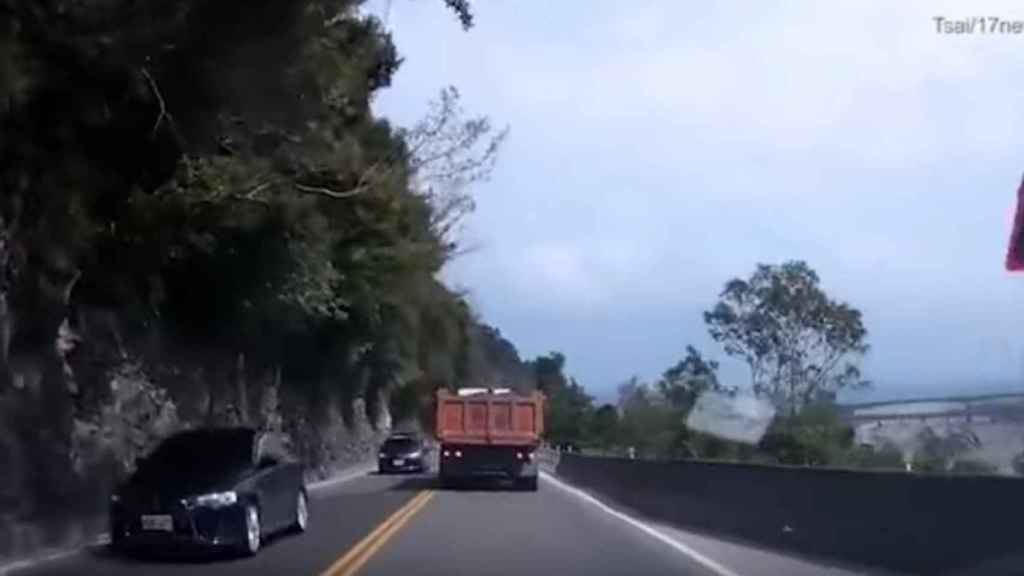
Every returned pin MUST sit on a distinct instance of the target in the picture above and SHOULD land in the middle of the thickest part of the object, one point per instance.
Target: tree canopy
(220, 172)
(797, 341)
(802, 348)
(692, 376)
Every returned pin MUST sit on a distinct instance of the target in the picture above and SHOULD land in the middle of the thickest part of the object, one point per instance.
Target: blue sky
(658, 149)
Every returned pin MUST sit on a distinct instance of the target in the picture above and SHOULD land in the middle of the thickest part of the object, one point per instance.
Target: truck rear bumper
(499, 462)
(498, 473)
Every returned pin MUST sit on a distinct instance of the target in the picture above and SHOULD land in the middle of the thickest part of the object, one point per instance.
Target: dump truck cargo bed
(493, 419)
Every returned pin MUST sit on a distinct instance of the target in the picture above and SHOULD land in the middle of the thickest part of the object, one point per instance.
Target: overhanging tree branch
(331, 193)
(159, 97)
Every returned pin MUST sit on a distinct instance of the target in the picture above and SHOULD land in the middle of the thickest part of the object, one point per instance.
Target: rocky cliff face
(74, 418)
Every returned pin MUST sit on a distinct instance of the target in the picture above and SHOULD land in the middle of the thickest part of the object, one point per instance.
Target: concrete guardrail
(899, 521)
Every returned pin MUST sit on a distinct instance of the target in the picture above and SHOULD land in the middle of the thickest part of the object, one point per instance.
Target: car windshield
(203, 451)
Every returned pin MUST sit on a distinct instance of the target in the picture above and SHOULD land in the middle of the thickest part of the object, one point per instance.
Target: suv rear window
(400, 444)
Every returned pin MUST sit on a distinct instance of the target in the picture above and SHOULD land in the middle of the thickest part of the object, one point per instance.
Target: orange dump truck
(489, 433)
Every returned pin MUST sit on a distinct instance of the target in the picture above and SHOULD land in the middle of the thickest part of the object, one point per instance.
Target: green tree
(604, 427)
(569, 415)
(648, 422)
(568, 409)
(684, 382)
(888, 456)
(815, 436)
(463, 11)
(798, 343)
(548, 372)
(491, 360)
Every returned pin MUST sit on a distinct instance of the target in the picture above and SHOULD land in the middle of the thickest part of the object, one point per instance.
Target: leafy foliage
(797, 342)
(648, 423)
(220, 172)
(462, 11)
(814, 436)
(569, 409)
(692, 376)
(604, 427)
(887, 456)
(492, 360)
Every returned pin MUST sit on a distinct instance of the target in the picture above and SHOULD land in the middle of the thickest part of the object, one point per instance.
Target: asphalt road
(407, 525)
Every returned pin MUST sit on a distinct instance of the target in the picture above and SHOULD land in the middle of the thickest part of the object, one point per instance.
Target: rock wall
(74, 419)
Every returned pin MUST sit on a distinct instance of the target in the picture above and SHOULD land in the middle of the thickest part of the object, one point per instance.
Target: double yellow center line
(359, 554)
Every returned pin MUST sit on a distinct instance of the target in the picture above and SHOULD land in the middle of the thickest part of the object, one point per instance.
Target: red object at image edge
(1015, 253)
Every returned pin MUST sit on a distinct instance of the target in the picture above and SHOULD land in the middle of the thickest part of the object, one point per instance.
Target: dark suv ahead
(404, 453)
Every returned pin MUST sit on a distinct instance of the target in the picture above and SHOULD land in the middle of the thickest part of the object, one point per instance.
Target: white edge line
(104, 538)
(675, 544)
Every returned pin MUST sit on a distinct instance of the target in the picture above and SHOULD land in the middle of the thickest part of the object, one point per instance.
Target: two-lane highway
(493, 532)
(375, 525)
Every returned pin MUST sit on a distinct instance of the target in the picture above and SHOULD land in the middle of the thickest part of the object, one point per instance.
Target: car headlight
(415, 454)
(115, 498)
(381, 455)
(215, 500)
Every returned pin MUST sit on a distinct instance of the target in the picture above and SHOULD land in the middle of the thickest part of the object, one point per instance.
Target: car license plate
(161, 522)
(398, 462)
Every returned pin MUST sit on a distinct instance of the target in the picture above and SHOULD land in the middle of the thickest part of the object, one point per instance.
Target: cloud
(569, 283)
(860, 78)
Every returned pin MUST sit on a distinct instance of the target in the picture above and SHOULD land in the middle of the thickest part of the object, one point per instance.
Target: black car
(404, 453)
(210, 488)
